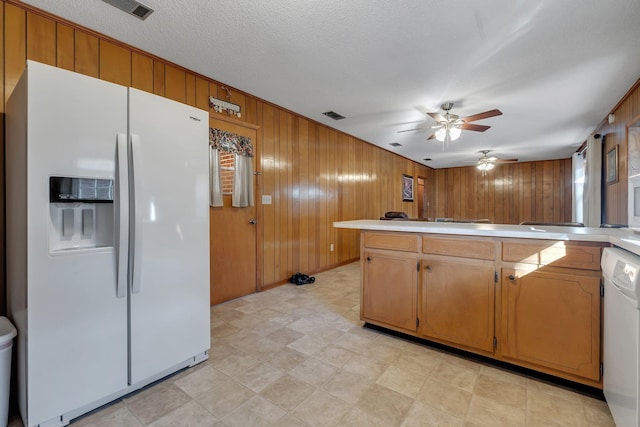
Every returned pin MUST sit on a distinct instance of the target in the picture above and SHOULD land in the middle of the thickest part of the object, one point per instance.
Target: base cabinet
(458, 297)
(551, 320)
(530, 302)
(390, 291)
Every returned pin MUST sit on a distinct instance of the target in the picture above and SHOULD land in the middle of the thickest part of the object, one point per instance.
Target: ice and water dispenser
(81, 213)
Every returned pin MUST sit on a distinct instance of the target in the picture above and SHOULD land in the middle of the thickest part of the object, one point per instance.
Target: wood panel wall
(316, 175)
(508, 194)
(627, 112)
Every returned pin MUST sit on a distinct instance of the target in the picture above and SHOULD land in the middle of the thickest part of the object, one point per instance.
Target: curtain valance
(230, 142)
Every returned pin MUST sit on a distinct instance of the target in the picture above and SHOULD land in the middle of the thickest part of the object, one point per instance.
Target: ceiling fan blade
(477, 128)
(485, 115)
(437, 117)
(433, 135)
(491, 159)
(506, 160)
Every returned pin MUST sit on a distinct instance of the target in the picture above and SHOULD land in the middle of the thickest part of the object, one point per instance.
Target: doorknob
(253, 221)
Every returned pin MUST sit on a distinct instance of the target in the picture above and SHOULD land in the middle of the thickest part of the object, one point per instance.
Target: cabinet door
(552, 319)
(458, 301)
(389, 292)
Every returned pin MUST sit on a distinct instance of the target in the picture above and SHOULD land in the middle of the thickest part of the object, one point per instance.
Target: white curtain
(577, 167)
(242, 195)
(593, 182)
(215, 183)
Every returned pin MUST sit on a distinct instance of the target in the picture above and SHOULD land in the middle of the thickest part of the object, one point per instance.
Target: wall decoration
(612, 165)
(407, 188)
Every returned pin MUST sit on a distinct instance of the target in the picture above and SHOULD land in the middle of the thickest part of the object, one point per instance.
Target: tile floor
(298, 356)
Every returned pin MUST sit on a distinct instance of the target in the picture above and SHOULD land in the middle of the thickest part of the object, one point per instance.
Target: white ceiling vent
(132, 7)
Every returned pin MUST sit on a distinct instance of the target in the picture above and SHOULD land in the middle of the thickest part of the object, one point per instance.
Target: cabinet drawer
(459, 247)
(398, 242)
(549, 252)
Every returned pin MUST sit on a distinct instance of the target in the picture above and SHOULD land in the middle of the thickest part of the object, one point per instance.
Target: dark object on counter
(395, 215)
(301, 279)
(557, 224)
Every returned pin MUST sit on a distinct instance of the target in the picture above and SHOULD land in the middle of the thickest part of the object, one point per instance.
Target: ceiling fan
(449, 126)
(486, 163)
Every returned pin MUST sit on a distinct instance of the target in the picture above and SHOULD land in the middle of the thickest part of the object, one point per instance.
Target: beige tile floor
(298, 356)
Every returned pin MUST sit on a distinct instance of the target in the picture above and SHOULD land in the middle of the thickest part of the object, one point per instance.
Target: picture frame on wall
(612, 165)
(407, 188)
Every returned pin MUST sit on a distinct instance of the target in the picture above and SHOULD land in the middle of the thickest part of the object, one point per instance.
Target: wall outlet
(331, 247)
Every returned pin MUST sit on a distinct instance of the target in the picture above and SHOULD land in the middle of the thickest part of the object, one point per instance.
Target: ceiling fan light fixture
(455, 132)
(485, 166)
(441, 134)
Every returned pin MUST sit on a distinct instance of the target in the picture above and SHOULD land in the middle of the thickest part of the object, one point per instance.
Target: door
(77, 325)
(544, 311)
(234, 266)
(458, 301)
(169, 294)
(390, 291)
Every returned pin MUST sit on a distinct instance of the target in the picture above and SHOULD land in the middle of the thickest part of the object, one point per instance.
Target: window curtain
(577, 174)
(215, 183)
(242, 194)
(593, 182)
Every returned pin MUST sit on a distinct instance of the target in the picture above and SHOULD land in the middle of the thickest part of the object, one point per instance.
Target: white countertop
(622, 237)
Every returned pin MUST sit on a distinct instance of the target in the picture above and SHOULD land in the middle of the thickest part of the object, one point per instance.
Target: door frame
(257, 173)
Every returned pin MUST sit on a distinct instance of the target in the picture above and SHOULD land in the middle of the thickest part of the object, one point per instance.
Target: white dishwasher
(621, 358)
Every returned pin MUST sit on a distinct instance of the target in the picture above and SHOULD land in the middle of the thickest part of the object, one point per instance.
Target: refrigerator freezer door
(76, 326)
(169, 316)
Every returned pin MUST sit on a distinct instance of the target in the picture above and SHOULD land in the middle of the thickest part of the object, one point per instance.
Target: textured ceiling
(554, 68)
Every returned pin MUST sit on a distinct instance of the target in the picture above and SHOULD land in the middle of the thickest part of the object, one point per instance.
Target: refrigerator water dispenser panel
(80, 213)
(69, 190)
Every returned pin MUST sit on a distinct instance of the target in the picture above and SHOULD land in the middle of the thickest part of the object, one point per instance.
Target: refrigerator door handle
(136, 174)
(122, 215)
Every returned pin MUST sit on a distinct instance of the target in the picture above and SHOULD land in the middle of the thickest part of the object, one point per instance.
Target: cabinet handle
(369, 259)
(427, 267)
(511, 277)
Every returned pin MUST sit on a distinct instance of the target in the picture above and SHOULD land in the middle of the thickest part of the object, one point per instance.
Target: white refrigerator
(107, 240)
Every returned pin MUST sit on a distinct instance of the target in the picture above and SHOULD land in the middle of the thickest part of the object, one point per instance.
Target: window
(227, 169)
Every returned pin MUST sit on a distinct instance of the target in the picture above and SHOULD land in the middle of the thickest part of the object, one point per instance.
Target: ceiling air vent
(333, 115)
(427, 160)
(395, 144)
(132, 7)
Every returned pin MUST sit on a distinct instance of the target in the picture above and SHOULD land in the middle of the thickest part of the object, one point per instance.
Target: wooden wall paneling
(175, 84)
(86, 58)
(41, 39)
(115, 63)
(291, 205)
(303, 184)
(278, 240)
(190, 89)
(268, 171)
(159, 84)
(142, 72)
(314, 199)
(322, 200)
(281, 195)
(65, 41)
(202, 94)
(15, 46)
(332, 142)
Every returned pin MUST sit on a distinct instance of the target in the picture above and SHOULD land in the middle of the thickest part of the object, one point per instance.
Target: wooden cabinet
(530, 302)
(458, 301)
(551, 320)
(390, 289)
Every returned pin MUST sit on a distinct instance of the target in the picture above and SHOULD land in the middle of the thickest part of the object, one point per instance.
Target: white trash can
(7, 333)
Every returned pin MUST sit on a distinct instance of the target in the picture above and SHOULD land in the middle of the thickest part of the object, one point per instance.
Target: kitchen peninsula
(525, 295)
